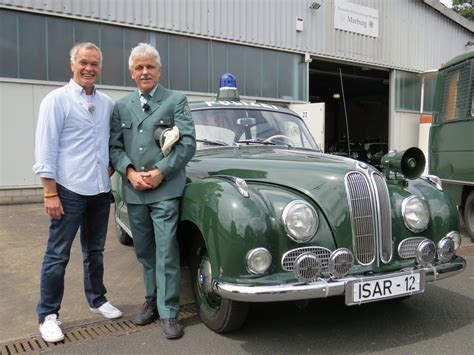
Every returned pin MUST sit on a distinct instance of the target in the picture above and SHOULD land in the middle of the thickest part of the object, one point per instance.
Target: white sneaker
(108, 311)
(50, 330)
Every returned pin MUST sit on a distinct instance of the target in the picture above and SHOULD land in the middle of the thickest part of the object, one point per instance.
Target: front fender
(230, 223)
(443, 214)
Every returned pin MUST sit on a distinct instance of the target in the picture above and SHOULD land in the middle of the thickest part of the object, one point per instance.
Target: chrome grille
(289, 258)
(362, 217)
(407, 247)
(385, 223)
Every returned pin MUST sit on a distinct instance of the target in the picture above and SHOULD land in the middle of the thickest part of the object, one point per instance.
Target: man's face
(146, 73)
(86, 67)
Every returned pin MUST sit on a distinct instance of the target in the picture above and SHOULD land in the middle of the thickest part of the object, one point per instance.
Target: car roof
(460, 58)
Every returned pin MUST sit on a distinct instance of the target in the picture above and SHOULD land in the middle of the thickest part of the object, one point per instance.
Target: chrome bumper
(322, 288)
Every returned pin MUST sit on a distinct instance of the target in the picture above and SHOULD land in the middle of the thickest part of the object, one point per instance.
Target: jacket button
(140, 149)
(142, 168)
(141, 131)
(123, 124)
(161, 121)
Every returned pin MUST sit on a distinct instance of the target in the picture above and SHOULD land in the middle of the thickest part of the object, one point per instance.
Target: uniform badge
(187, 112)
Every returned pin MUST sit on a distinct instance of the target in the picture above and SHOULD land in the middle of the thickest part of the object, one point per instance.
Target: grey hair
(143, 50)
(87, 45)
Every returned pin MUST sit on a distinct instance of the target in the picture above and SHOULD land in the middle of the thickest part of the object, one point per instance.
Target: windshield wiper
(264, 142)
(211, 142)
(254, 141)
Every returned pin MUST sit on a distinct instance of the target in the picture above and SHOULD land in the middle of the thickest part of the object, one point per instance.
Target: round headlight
(258, 260)
(416, 214)
(300, 221)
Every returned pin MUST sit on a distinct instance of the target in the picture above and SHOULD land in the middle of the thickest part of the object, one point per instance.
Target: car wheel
(122, 235)
(469, 215)
(218, 314)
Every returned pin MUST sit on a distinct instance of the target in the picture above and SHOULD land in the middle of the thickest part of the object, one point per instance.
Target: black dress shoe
(148, 313)
(172, 329)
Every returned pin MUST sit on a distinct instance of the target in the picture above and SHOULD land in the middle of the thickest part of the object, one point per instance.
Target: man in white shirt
(72, 159)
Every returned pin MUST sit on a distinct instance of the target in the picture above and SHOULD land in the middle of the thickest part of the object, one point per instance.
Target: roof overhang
(451, 14)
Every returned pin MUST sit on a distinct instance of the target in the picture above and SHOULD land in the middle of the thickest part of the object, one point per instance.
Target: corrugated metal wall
(412, 35)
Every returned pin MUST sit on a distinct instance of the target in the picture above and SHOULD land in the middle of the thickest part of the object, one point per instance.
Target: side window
(472, 95)
(457, 93)
(472, 102)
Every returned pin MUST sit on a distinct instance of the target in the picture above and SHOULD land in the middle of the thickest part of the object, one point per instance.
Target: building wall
(18, 123)
(414, 35)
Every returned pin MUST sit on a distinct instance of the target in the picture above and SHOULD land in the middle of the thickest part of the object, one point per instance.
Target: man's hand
(110, 170)
(153, 177)
(137, 180)
(52, 203)
(53, 207)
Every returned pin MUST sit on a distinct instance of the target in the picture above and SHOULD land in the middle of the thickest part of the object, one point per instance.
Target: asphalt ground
(23, 236)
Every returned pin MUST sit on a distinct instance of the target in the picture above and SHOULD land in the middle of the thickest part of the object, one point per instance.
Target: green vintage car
(266, 216)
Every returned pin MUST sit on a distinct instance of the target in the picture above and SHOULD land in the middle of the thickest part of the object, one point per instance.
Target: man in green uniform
(153, 180)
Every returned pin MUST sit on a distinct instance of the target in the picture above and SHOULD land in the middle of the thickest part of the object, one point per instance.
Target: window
(457, 93)
(32, 44)
(60, 36)
(199, 65)
(407, 91)
(230, 126)
(428, 96)
(111, 45)
(178, 63)
(8, 45)
(188, 64)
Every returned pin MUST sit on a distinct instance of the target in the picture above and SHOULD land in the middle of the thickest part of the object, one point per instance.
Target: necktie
(144, 98)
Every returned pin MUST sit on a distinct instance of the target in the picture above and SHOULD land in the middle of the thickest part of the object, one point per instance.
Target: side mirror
(410, 163)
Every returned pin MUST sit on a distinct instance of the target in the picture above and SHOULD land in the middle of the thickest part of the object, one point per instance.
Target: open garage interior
(366, 94)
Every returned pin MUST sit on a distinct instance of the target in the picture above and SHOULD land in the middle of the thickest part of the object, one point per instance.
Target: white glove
(168, 138)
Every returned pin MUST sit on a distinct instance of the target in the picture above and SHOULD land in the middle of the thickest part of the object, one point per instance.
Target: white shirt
(72, 139)
(144, 101)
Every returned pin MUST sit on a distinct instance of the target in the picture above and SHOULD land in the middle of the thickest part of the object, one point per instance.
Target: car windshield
(220, 127)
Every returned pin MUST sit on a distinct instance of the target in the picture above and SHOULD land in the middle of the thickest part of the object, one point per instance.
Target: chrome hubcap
(205, 277)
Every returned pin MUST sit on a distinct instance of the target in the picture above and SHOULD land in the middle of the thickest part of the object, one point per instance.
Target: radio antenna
(345, 114)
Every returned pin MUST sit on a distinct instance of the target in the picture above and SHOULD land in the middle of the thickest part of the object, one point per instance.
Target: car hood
(317, 175)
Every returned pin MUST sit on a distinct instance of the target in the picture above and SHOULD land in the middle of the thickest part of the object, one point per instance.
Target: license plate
(378, 288)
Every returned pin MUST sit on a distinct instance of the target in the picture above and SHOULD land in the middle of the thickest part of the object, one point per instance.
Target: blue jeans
(91, 213)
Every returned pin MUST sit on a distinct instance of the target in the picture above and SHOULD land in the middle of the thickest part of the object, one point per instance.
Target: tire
(122, 236)
(218, 314)
(469, 215)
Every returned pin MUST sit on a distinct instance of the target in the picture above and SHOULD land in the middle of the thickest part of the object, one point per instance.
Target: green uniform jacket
(132, 143)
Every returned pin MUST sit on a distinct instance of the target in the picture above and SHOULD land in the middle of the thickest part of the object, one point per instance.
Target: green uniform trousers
(154, 237)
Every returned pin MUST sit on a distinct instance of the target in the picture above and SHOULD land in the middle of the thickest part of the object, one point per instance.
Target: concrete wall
(19, 106)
